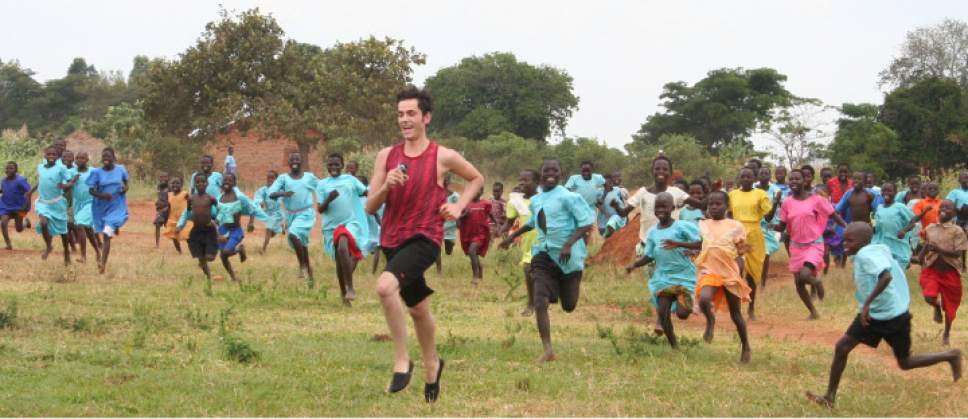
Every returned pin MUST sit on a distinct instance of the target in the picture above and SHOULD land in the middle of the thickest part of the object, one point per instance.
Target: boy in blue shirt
(15, 201)
(882, 302)
(562, 218)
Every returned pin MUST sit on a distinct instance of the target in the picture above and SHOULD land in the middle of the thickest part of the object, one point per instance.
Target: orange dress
(177, 202)
(722, 242)
(931, 217)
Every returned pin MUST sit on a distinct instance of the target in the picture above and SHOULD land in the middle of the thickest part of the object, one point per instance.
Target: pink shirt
(806, 219)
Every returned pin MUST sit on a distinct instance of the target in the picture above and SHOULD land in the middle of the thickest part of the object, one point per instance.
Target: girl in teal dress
(297, 190)
(51, 205)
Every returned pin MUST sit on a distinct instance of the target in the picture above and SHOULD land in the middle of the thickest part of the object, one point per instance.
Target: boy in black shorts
(883, 299)
(161, 206)
(203, 239)
(562, 218)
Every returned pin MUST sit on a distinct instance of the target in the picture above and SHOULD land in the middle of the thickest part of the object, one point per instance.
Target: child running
(769, 236)
(83, 210)
(67, 157)
(271, 207)
(109, 184)
(520, 212)
(229, 209)
(51, 205)
(475, 234)
(162, 209)
(344, 224)
(697, 191)
(720, 284)
(893, 223)
(673, 280)
(203, 241)
(15, 201)
(450, 227)
(214, 179)
(959, 196)
(751, 206)
(609, 220)
(945, 243)
(178, 202)
(296, 190)
(498, 205)
(930, 206)
(882, 312)
(562, 218)
(805, 217)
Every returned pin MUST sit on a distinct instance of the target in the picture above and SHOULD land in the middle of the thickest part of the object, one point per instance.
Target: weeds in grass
(513, 282)
(80, 324)
(8, 316)
(207, 289)
(197, 319)
(233, 347)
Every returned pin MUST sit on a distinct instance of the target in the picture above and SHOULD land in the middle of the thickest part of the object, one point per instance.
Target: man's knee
(387, 285)
(421, 311)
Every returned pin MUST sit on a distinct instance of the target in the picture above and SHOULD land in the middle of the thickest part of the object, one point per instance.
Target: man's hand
(451, 211)
(395, 178)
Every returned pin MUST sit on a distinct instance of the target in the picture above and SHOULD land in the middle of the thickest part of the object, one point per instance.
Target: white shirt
(644, 201)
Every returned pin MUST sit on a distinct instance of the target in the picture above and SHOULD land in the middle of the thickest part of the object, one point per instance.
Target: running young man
(562, 218)
(344, 224)
(408, 179)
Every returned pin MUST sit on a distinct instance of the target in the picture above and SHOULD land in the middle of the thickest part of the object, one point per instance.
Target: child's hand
(250, 228)
(901, 234)
(865, 315)
(565, 255)
(629, 268)
(287, 194)
(222, 239)
(332, 195)
(670, 244)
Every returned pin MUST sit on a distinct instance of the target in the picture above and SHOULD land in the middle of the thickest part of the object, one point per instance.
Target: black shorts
(896, 332)
(551, 283)
(203, 242)
(408, 262)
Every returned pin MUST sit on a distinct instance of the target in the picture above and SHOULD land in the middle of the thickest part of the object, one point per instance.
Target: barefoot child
(498, 205)
(673, 280)
(519, 211)
(475, 234)
(67, 157)
(228, 216)
(203, 239)
(769, 236)
(271, 207)
(751, 206)
(720, 284)
(109, 184)
(83, 210)
(893, 223)
(562, 219)
(178, 202)
(609, 220)
(450, 227)
(944, 245)
(162, 209)
(930, 205)
(296, 189)
(804, 216)
(344, 224)
(51, 205)
(882, 306)
(697, 191)
(15, 201)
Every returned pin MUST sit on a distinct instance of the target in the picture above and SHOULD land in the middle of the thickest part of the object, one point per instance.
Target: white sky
(619, 53)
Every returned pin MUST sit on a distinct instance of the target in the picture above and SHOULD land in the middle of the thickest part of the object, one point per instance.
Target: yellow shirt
(749, 207)
(521, 217)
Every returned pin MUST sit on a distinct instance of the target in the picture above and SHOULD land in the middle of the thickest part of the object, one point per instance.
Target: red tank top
(414, 208)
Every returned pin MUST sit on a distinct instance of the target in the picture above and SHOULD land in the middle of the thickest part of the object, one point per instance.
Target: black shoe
(401, 380)
(431, 391)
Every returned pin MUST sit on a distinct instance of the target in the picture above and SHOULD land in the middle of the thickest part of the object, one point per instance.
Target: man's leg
(423, 323)
(388, 289)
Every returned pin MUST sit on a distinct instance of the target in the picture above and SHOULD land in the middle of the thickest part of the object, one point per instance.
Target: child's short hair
(336, 156)
(720, 192)
(809, 168)
(15, 165)
(498, 184)
(701, 185)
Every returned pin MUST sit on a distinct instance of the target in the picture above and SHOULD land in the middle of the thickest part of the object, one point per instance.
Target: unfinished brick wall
(255, 155)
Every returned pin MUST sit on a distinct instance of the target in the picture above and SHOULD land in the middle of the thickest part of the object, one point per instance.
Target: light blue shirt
(869, 263)
(48, 178)
(273, 207)
(888, 221)
(959, 196)
(590, 190)
(615, 195)
(229, 162)
(672, 266)
(692, 215)
(214, 187)
(82, 192)
(347, 207)
(564, 212)
(301, 188)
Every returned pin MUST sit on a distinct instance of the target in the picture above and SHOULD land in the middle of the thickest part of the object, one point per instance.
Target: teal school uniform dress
(345, 211)
(673, 268)
(300, 213)
(51, 202)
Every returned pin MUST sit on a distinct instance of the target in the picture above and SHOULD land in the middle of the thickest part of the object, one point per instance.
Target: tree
(799, 130)
(867, 144)
(17, 90)
(931, 122)
(487, 95)
(722, 108)
(938, 51)
(687, 155)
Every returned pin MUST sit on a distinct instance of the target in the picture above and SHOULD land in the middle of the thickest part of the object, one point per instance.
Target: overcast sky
(619, 53)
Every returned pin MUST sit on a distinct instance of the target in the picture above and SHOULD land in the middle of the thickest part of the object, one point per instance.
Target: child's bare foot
(100, 267)
(813, 315)
(937, 315)
(707, 336)
(821, 400)
(347, 303)
(475, 281)
(547, 357)
(528, 311)
(744, 357)
(956, 366)
(946, 340)
(43, 256)
(751, 315)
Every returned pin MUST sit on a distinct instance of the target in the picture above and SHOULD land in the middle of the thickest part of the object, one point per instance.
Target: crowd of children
(709, 243)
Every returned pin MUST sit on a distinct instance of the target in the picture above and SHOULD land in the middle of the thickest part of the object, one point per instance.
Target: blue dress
(672, 266)
(888, 221)
(273, 209)
(300, 214)
(109, 216)
(83, 201)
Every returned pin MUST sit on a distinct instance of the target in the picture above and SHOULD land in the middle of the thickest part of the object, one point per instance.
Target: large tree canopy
(868, 145)
(487, 95)
(725, 107)
(939, 51)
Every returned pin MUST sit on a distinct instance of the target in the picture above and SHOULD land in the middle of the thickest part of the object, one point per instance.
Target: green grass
(152, 338)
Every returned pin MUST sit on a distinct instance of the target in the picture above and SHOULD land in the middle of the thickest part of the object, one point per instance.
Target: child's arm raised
(914, 221)
(672, 244)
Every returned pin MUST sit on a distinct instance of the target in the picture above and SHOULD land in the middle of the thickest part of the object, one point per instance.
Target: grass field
(152, 337)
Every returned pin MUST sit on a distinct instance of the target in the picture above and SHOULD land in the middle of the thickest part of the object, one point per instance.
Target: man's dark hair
(335, 156)
(424, 102)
